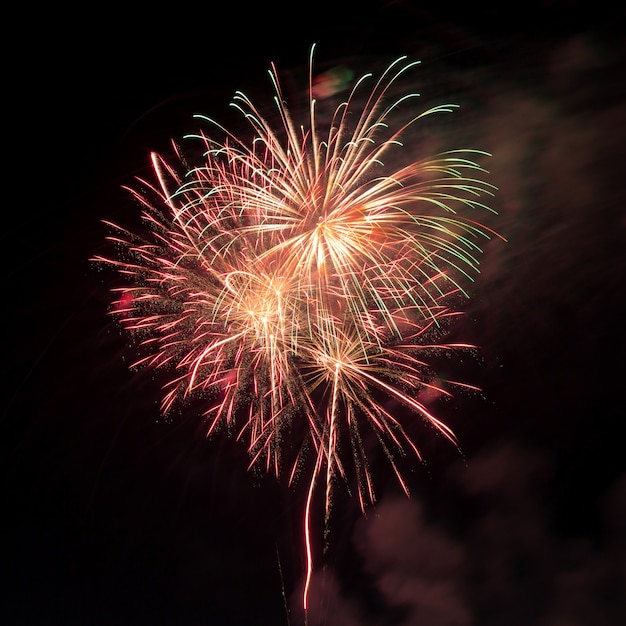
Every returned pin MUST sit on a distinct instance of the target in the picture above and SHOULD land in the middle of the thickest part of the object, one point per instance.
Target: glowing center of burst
(330, 364)
(341, 234)
(256, 304)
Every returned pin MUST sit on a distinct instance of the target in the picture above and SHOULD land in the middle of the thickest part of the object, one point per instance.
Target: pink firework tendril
(294, 279)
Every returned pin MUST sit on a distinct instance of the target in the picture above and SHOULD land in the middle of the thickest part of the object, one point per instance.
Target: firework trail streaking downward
(291, 279)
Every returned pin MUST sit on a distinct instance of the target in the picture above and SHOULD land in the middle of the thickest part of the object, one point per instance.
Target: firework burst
(291, 279)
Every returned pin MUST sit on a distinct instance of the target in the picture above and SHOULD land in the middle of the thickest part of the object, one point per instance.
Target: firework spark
(291, 279)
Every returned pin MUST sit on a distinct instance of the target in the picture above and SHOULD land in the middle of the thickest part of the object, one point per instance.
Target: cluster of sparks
(293, 280)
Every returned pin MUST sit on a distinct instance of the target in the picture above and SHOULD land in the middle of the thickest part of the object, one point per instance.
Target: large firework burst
(291, 279)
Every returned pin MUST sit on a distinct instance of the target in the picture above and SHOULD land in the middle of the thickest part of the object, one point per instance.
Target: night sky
(115, 516)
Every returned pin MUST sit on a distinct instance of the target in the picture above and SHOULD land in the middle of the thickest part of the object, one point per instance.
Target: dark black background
(114, 516)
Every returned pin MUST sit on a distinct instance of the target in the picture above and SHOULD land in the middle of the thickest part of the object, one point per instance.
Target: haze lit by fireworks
(293, 280)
